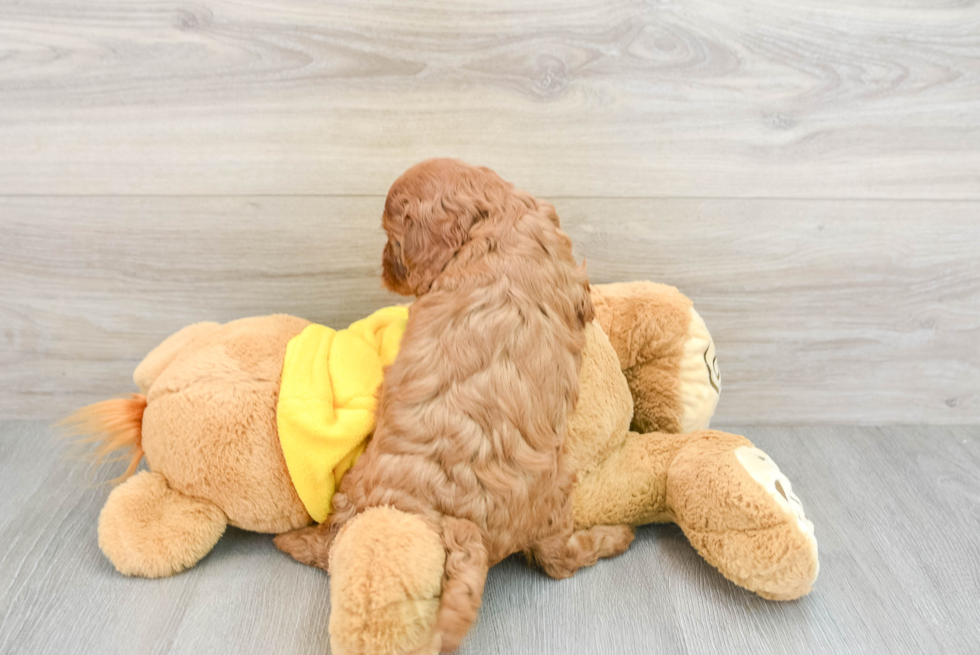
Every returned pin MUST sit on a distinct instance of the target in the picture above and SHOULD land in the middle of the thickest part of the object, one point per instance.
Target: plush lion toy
(253, 423)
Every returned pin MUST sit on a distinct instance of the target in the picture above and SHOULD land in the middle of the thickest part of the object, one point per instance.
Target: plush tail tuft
(114, 424)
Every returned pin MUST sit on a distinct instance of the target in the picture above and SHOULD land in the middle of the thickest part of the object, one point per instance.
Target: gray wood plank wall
(809, 173)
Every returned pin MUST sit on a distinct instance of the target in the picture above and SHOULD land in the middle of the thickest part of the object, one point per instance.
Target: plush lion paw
(150, 530)
(764, 471)
(386, 570)
(741, 514)
(791, 547)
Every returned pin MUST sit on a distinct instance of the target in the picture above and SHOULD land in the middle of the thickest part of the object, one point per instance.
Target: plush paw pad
(739, 511)
(764, 471)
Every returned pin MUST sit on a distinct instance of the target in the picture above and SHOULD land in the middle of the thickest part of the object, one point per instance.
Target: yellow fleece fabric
(328, 397)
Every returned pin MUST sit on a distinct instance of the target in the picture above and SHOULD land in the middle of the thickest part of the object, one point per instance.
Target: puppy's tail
(114, 424)
(463, 580)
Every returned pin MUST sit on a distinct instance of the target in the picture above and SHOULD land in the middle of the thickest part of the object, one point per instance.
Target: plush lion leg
(399, 584)
(739, 511)
(630, 486)
(148, 529)
(386, 581)
(734, 505)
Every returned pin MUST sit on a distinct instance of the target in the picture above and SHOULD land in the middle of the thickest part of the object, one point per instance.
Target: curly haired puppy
(473, 411)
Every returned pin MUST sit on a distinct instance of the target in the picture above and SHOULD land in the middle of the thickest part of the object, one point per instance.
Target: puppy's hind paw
(309, 545)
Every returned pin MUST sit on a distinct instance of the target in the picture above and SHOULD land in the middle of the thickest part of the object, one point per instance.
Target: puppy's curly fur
(473, 412)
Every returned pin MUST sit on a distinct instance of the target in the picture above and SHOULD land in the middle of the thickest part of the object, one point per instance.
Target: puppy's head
(428, 215)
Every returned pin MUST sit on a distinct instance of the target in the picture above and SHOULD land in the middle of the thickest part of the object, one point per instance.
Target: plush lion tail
(114, 424)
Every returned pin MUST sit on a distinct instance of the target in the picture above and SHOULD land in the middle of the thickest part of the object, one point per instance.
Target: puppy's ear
(433, 233)
(394, 275)
(438, 217)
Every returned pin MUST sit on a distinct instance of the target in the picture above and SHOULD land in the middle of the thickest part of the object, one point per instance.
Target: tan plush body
(729, 497)
(209, 436)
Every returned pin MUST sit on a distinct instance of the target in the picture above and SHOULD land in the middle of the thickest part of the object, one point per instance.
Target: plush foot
(386, 576)
(149, 530)
(739, 511)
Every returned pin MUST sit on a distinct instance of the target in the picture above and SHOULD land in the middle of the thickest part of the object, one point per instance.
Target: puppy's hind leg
(311, 545)
(562, 553)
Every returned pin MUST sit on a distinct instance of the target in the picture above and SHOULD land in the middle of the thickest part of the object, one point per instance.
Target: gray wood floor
(896, 510)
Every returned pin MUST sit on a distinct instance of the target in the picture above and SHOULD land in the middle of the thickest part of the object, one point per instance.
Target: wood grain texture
(822, 311)
(896, 512)
(818, 98)
(94, 284)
